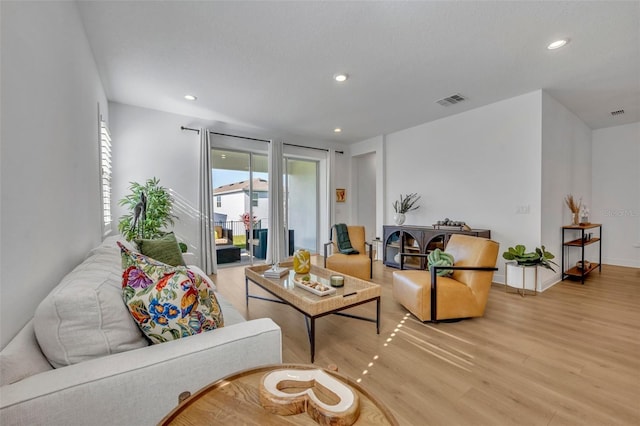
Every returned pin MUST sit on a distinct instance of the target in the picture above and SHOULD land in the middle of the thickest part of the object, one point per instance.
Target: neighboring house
(237, 198)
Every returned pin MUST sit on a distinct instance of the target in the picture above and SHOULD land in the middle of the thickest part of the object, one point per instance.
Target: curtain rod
(255, 139)
(225, 134)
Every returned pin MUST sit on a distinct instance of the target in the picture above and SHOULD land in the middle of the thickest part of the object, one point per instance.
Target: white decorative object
(275, 271)
(399, 218)
(584, 214)
(274, 398)
(314, 287)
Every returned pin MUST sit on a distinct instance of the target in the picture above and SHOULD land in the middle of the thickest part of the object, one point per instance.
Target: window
(254, 199)
(218, 201)
(105, 174)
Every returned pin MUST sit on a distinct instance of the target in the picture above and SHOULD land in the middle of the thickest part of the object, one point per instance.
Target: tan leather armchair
(463, 294)
(356, 265)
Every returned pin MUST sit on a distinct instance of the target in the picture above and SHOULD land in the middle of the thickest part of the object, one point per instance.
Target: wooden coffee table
(236, 400)
(354, 292)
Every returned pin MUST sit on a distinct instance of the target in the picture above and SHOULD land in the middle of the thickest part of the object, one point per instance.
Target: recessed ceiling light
(190, 97)
(557, 44)
(341, 77)
(337, 130)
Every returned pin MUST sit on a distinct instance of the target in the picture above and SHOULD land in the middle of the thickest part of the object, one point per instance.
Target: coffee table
(236, 400)
(354, 292)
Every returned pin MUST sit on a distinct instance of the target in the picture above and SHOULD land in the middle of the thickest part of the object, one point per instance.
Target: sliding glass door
(240, 194)
(301, 202)
(241, 201)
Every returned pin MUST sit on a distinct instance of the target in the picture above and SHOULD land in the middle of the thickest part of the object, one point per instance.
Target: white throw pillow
(84, 317)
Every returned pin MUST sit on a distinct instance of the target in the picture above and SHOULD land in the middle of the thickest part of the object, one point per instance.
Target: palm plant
(146, 220)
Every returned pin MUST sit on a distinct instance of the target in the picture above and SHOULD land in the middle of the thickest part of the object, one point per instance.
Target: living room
(478, 164)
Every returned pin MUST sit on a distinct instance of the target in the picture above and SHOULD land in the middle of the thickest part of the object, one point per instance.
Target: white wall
(375, 147)
(478, 166)
(51, 211)
(341, 178)
(566, 169)
(616, 192)
(148, 143)
(364, 170)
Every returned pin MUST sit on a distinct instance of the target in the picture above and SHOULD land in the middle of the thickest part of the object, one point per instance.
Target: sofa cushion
(165, 249)
(168, 302)
(84, 316)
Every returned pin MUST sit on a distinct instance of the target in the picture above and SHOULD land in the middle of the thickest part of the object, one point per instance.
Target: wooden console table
(418, 239)
(236, 400)
(581, 242)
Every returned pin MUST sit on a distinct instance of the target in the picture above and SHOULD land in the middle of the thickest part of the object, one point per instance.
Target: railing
(239, 230)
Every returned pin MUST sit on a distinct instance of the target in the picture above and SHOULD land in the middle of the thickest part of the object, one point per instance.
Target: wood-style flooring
(568, 356)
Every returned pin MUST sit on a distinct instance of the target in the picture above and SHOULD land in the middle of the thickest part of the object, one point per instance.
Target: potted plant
(149, 211)
(403, 206)
(519, 254)
(539, 257)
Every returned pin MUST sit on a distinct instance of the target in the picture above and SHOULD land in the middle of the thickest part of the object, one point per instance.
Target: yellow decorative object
(302, 261)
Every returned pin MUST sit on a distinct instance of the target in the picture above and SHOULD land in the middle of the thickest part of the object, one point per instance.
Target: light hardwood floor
(568, 356)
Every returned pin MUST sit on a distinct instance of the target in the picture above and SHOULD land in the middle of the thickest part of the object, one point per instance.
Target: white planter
(399, 218)
(522, 278)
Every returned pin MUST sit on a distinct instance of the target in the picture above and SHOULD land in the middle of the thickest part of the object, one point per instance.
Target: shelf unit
(581, 243)
(419, 240)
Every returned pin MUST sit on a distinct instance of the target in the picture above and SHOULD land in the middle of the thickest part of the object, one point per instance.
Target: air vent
(617, 113)
(451, 100)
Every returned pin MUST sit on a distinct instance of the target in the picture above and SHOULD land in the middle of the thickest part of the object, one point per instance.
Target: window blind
(105, 168)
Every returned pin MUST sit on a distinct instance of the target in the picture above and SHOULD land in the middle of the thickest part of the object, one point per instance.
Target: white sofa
(124, 386)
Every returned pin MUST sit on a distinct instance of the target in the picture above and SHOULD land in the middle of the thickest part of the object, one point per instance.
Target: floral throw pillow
(167, 302)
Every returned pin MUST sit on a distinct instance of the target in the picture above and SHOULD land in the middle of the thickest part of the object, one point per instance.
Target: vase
(399, 218)
(576, 218)
(301, 261)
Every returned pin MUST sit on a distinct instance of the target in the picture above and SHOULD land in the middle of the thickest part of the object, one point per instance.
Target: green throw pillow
(165, 249)
(439, 258)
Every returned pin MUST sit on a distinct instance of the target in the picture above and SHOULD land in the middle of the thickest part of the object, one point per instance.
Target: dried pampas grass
(571, 203)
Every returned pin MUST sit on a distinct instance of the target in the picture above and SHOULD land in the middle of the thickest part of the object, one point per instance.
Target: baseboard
(630, 263)
(548, 283)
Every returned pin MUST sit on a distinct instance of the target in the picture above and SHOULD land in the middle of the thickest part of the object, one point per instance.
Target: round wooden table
(236, 400)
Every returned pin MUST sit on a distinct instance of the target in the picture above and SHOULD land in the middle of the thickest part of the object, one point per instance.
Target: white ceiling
(270, 64)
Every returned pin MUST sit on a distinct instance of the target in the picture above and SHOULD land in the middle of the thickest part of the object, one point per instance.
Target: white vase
(399, 218)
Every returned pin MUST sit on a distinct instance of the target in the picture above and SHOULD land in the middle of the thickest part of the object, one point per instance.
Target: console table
(584, 240)
(420, 240)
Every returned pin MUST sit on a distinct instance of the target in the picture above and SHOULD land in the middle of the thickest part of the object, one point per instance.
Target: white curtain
(275, 241)
(205, 207)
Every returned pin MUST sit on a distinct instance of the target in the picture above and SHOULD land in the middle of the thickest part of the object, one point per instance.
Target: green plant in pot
(149, 211)
(539, 257)
(404, 205)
